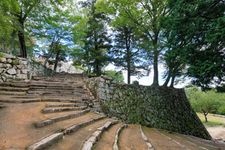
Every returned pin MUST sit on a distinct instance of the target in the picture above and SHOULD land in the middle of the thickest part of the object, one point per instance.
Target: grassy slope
(212, 120)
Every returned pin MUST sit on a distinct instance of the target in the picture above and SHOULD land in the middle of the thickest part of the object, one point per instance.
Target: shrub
(206, 102)
(221, 110)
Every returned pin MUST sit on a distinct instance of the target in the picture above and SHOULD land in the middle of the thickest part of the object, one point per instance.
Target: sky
(147, 80)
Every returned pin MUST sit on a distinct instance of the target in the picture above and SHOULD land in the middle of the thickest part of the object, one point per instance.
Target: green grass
(212, 120)
(1, 54)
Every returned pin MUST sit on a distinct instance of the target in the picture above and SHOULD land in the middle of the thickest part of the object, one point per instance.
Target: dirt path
(217, 132)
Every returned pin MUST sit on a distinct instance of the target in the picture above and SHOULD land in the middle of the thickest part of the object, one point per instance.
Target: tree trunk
(23, 50)
(13, 43)
(128, 74)
(205, 115)
(56, 60)
(97, 68)
(155, 64)
(172, 81)
(21, 37)
(167, 79)
(127, 39)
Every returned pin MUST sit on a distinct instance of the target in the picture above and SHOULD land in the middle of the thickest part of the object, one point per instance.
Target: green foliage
(221, 110)
(209, 102)
(197, 28)
(117, 77)
(95, 43)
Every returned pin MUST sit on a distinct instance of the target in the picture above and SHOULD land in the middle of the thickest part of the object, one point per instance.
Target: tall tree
(147, 16)
(201, 26)
(95, 39)
(55, 34)
(126, 52)
(20, 13)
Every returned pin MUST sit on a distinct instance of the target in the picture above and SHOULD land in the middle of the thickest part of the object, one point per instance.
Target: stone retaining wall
(158, 107)
(12, 67)
(15, 68)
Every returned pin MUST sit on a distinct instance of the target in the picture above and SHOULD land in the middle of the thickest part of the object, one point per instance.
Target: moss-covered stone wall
(158, 107)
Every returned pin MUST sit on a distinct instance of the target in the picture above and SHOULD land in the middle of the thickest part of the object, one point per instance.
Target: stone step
(20, 132)
(50, 92)
(145, 138)
(31, 99)
(51, 88)
(14, 84)
(8, 88)
(63, 99)
(2, 106)
(53, 120)
(12, 93)
(89, 143)
(76, 140)
(156, 139)
(55, 137)
(131, 138)
(204, 144)
(60, 109)
(117, 135)
(178, 138)
(107, 139)
(65, 105)
(12, 100)
(53, 85)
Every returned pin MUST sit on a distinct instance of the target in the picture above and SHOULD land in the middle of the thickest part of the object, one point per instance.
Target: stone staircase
(58, 113)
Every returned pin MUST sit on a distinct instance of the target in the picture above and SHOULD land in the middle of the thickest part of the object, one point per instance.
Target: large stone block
(11, 71)
(2, 59)
(19, 66)
(21, 76)
(8, 66)
(2, 70)
(9, 60)
(24, 71)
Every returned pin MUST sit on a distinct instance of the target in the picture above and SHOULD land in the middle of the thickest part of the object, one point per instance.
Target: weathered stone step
(204, 144)
(63, 99)
(58, 109)
(14, 84)
(65, 105)
(36, 98)
(183, 141)
(12, 93)
(156, 140)
(130, 138)
(5, 100)
(75, 141)
(8, 88)
(107, 138)
(60, 118)
(20, 133)
(2, 106)
(51, 92)
(89, 143)
(53, 138)
(116, 139)
(51, 88)
(145, 138)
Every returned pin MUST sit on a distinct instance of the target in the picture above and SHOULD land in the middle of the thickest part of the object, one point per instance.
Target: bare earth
(217, 132)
